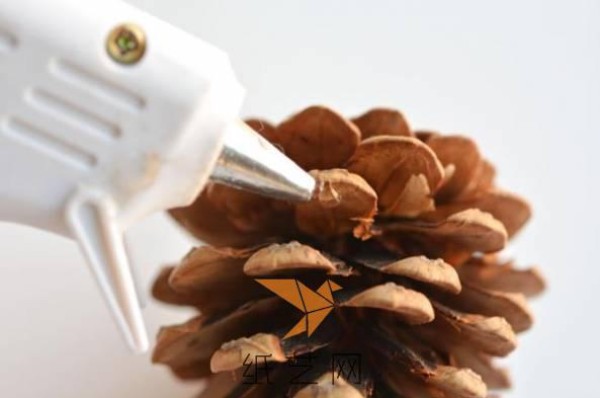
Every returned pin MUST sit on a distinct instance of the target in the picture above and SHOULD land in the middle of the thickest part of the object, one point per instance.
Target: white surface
(58, 338)
(520, 77)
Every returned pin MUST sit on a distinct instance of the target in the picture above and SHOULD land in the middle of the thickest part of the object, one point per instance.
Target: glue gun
(108, 114)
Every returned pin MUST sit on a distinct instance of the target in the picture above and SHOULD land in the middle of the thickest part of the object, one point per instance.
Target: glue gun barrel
(251, 163)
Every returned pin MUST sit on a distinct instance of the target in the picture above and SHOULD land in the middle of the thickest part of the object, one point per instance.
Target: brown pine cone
(394, 261)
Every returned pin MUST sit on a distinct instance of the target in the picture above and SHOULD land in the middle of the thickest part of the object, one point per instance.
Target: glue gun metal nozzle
(250, 162)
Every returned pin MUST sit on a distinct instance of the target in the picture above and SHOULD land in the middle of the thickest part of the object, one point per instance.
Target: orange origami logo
(316, 305)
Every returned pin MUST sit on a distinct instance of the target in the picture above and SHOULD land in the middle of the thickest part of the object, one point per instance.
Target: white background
(521, 77)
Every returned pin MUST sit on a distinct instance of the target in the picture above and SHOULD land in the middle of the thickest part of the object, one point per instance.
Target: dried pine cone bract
(405, 226)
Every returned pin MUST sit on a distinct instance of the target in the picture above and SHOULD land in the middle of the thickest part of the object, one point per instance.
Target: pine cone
(395, 258)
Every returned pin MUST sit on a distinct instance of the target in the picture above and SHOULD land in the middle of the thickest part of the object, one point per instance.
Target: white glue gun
(108, 114)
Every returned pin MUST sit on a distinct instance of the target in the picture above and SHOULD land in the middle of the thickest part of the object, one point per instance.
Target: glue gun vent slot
(106, 90)
(73, 114)
(48, 144)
